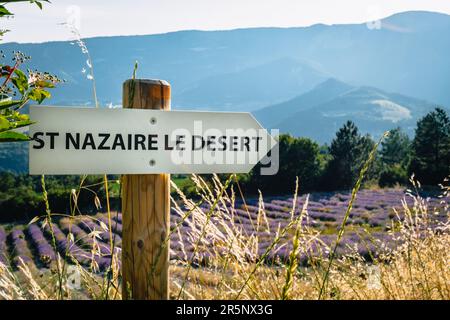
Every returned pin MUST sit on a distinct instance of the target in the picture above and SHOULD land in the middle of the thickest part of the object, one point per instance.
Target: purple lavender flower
(44, 250)
(20, 250)
(3, 248)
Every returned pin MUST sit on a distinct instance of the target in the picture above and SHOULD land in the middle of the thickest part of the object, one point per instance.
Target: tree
(431, 148)
(396, 148)
(348, 152)
(304, 163)
(298, 157)
(395, 155)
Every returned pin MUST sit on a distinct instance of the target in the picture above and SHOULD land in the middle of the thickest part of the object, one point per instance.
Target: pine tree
(395, 156)
(348, 152)
(431, 148)
(395, 149)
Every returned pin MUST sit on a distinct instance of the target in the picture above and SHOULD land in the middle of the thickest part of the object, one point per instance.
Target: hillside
(14, 157)
(272, 115)
(319, 113)
(236, 69)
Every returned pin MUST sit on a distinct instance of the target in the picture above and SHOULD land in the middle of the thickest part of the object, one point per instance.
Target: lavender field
(374, 213)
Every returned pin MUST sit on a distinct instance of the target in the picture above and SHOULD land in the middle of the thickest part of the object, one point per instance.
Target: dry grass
(417, 268)
(226, 263)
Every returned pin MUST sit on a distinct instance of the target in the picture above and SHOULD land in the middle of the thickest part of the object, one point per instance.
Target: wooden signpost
(145, 210)
(145, 142)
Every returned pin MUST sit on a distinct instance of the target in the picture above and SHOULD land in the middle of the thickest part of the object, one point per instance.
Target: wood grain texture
(146, 210)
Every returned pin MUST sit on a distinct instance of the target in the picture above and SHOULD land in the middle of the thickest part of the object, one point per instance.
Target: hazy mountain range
(306, 81)
(246, 69)
(320, 112)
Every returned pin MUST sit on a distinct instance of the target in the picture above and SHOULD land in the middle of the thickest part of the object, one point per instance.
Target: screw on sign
(144, 142)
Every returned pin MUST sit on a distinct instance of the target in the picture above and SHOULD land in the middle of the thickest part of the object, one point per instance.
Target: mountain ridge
(386, 58)
(319, 24)
(373, 110)
(270, 115)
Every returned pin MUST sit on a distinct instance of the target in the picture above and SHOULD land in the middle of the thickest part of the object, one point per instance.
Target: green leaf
(46, 94)
(21, 74)
(23, 123)
(3, 32)
(35, 94)
(4, 124)
(4, 12)
(19, 85)
(39, 95)
(39, 3)
(17, 116)
(12, 136)
(4, 104)
(17, 124)
(44, 84)
(21, 81)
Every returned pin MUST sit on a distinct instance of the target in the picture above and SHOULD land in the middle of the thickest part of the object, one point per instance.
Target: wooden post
(145, 209)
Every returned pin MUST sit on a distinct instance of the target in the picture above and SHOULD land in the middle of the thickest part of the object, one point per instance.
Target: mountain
(405, 53)
(14, 157)
(319, 113)
(250, 88)
(329, 89)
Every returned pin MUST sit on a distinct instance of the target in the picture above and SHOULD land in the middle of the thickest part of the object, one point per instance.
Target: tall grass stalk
(292, 264)
(341, 231)
(203, 231)
(52, 234)
(277, 239)
(75, 32)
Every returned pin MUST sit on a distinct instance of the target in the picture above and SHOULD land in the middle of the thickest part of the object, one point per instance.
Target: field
(221, 238)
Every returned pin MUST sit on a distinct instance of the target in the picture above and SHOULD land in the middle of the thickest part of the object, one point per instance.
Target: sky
(113, 17)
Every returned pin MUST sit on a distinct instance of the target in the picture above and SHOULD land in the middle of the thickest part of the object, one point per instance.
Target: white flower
(33, 77)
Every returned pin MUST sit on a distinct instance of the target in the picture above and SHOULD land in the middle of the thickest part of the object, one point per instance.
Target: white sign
(68, 140)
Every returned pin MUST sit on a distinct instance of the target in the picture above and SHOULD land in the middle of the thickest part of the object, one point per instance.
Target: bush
(393, 175)
(298, 157)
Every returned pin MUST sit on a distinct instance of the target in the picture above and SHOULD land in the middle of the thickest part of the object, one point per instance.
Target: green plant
(396, 148)
(19, 87)
(393, 175)
(431, 148)
(298, 157)
(348, 151)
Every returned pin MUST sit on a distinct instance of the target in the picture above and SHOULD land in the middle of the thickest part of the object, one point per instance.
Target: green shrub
(392, 176)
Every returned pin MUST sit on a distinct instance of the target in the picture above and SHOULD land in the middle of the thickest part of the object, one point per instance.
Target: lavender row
(84, 239)
(44, 250)
(89, 226)
(20, 250)
(3, 247)
(70, 249)
(102, 258)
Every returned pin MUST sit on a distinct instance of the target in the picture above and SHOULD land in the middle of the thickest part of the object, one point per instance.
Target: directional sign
(79, 140)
